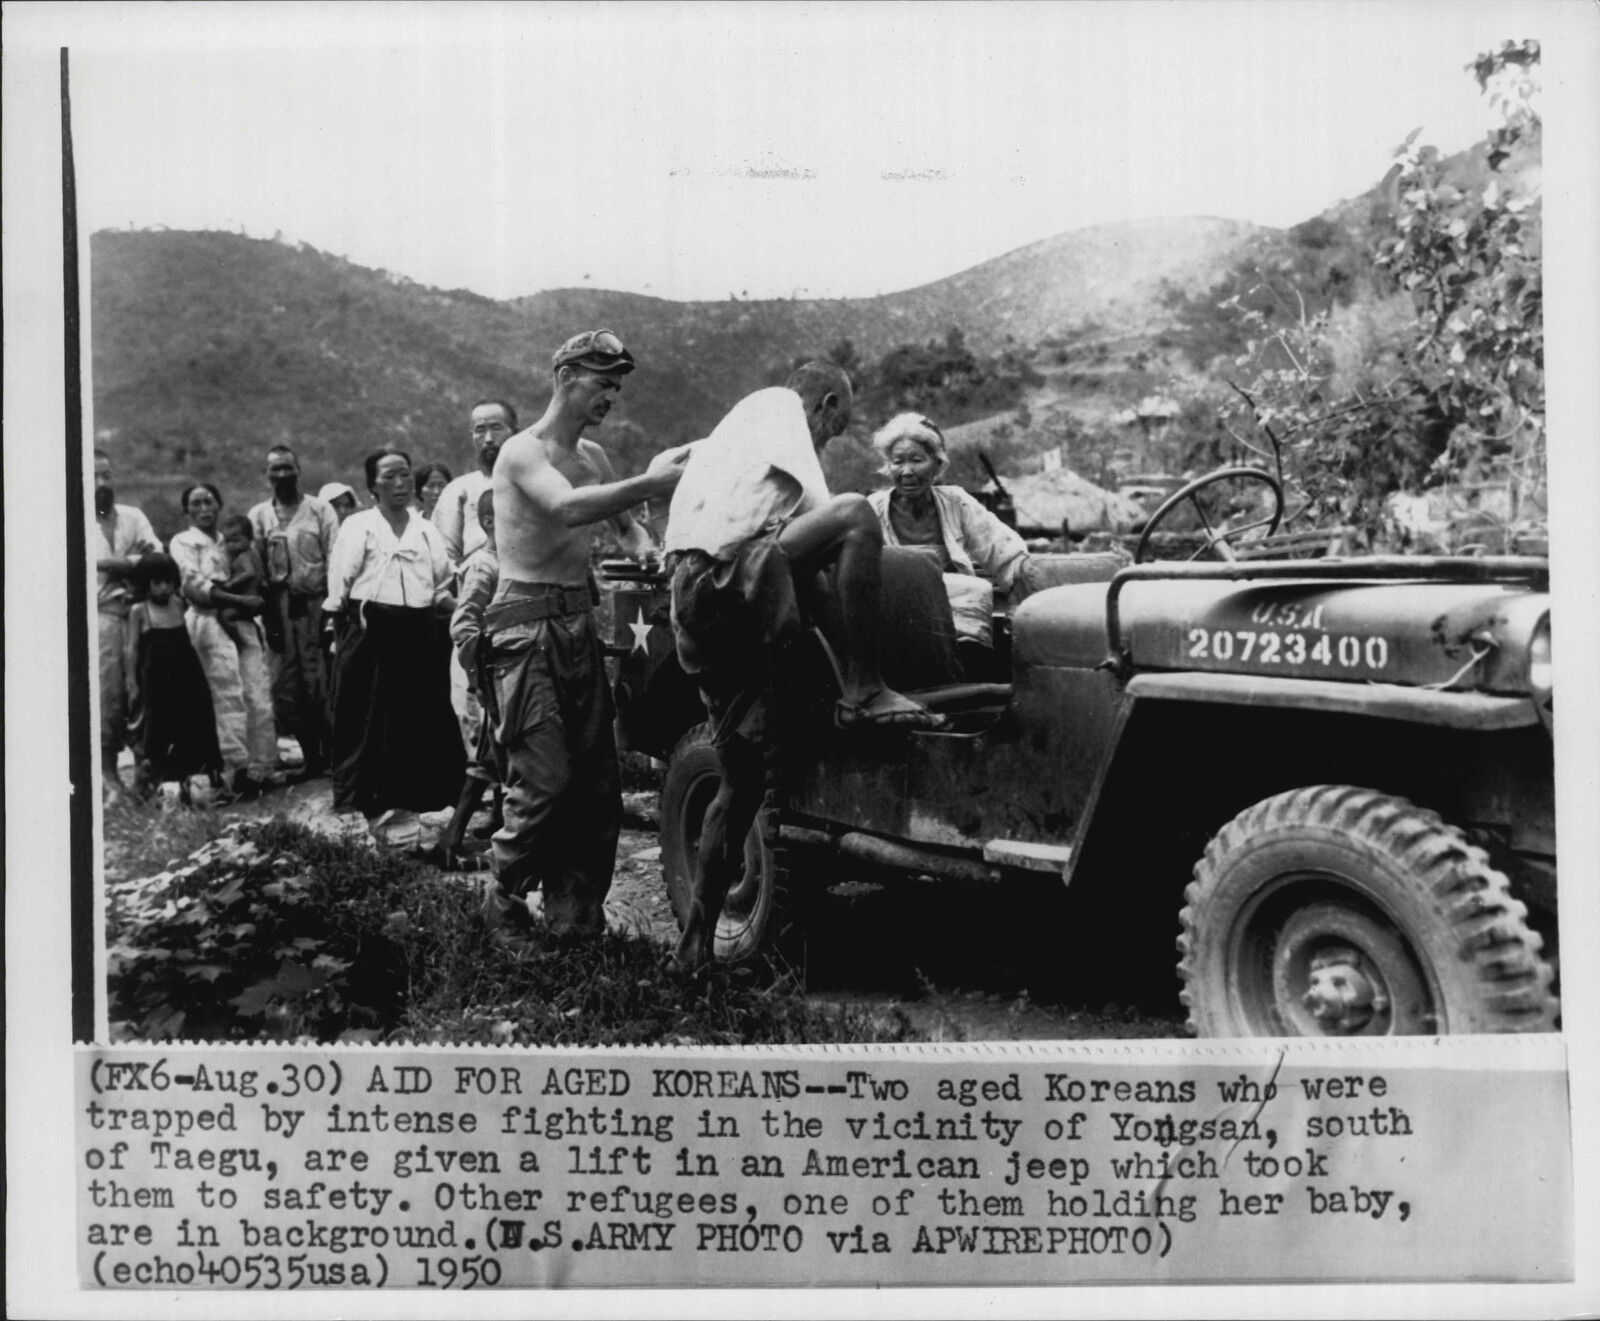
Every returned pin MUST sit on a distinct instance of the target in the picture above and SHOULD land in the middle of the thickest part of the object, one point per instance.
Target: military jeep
(1330, 781)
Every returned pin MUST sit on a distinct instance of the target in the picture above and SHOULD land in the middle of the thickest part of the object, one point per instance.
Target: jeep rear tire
(758, 915)
(1337, 911)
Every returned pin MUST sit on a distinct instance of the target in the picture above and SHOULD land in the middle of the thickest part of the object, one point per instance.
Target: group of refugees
(495, 568)
(211, 647)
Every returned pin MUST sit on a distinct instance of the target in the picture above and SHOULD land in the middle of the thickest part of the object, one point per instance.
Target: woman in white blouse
(396, 748)
(977, 553)
(233, 658)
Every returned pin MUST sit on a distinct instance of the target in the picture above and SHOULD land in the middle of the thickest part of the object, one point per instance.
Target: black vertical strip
(80, 766)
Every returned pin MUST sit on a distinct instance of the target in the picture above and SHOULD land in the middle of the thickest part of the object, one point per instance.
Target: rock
(640, 810)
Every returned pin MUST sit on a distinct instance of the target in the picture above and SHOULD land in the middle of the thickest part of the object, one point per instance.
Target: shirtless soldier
(552, 703)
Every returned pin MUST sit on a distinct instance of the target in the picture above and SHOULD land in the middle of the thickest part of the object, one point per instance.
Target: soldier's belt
(529, 603)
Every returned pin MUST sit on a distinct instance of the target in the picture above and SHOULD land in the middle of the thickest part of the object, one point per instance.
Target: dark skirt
(396, 743)
(175, 730)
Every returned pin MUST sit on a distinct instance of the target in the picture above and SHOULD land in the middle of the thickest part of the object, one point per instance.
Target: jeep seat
(1055, 570)
(921, 655)
(916, 629)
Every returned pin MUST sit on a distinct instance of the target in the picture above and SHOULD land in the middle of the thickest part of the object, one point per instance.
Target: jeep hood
(1446, 635)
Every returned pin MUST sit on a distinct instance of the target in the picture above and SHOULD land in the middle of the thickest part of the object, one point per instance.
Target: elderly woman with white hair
(977, 552)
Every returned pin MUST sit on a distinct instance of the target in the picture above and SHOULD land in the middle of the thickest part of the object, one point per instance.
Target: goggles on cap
(599, 341)
(592, 344)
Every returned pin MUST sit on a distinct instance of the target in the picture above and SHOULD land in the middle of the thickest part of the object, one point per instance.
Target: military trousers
(552, 723)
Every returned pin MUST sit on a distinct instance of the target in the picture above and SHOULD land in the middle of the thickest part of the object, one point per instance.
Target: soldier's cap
(598, 350)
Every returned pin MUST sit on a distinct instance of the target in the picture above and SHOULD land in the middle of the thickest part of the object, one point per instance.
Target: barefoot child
(176, 730)
(480, 574)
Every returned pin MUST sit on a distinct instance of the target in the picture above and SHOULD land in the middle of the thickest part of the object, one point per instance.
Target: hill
(207, 347)
(1104, 276)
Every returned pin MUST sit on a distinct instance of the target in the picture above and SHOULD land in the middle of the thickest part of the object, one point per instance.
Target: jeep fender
(1189, 751)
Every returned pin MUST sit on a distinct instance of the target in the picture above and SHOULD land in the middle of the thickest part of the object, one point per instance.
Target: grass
(143, 838)
(616, 993)
(270, 930)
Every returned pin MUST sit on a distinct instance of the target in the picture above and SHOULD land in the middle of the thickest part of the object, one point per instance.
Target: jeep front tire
(1338, 911)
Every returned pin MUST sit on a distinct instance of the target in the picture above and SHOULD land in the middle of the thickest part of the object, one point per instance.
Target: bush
(269, 930)
(272, 931)
(1439, 380)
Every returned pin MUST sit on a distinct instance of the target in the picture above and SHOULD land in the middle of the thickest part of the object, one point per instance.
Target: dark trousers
(299, 674)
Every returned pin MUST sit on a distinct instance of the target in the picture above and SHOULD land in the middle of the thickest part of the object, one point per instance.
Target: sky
(708, 150)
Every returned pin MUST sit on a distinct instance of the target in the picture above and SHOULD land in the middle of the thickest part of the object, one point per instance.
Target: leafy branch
(1453, 397)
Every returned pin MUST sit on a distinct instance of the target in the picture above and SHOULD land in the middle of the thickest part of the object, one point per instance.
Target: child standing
(480, 574)
(175, 730)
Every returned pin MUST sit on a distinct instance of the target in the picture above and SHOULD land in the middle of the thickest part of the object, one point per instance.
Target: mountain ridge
(208, 346)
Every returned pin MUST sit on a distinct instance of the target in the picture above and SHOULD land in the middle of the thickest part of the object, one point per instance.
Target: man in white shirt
(752, 516)
(294, 533)
(456, 515)
(120, 536)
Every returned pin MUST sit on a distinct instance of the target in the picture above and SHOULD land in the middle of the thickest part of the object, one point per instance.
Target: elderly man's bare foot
(885, 708)
(692, 957)
(506, 919)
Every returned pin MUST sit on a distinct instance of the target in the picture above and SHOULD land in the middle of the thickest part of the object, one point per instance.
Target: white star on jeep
(641, 633)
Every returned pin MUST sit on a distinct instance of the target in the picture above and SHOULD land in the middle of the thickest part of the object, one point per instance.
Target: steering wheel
(1218, 541)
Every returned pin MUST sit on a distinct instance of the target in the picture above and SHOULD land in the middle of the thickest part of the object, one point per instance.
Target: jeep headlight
(1541, 674)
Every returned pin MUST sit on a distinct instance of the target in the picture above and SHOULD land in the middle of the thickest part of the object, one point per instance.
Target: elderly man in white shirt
(494, 421)
(295, 533)
(751, 517)
(396, 748)
(456, 514)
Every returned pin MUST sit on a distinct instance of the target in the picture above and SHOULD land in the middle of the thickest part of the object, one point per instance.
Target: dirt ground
(965, 963)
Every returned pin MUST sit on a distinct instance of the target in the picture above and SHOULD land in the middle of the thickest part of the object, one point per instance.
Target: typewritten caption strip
(281, 1169)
